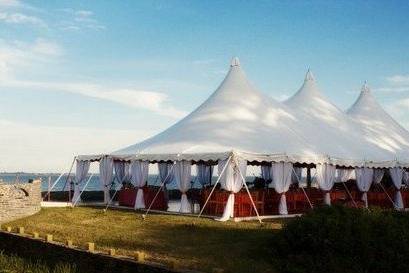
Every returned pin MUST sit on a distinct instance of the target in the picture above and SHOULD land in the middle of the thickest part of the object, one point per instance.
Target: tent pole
(387, 194)
(157, 193)
(214, 187)
(349, 194)
(54, 184)
(66, 180)
(85, 186)
(299, 182)
(248, 192)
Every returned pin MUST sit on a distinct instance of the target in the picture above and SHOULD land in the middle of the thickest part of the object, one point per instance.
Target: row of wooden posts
(139, 256)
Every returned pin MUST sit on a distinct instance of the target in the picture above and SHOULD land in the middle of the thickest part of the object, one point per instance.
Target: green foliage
(339, 239)
(14, 264)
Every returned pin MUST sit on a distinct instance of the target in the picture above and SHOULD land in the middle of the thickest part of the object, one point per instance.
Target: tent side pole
(160, 188)
(68, 176)
(214, 187)
(349, 194)
(248, 192)
(53, 185)
(299, 183)
(83, 189)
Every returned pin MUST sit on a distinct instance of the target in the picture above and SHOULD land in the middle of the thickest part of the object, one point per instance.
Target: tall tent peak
(309, 76)
(365, 87)
(235, 62)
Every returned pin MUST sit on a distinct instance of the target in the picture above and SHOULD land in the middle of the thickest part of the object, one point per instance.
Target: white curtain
(266, 173)
(106, 169)
(122, 171)
(397, 178)
(166, 173)
(364, 178)
(139, 176)
(183, 177)
(204, 174)
(378, 175)
(406, 178)
(325, 179)
(81, 171)
(281, 174)
(296, 175)
(345, 174)
(231, 180)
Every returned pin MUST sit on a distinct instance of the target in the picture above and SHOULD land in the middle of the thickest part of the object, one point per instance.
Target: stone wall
(19, 200)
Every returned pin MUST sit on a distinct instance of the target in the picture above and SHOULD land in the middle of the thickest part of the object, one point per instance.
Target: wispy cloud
(20, 18)
(79, 19)
(17, 56)
(398, 80)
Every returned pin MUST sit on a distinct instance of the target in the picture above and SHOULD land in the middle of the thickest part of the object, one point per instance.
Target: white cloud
(398, 80)
(80, 19)
(25, 147)
(10, 3)
(20, 18)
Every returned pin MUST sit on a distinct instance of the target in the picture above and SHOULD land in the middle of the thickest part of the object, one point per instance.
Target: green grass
(189, 242)
(14, 264)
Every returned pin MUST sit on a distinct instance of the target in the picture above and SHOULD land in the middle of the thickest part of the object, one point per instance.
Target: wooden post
(21, 230)
(36, 235)
(49, 238)
(91, 247)
(8, 229)
(49, 187)
(140, 256)
(111, 252)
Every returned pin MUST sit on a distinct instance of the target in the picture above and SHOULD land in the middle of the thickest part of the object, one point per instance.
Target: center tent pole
(160, 188)
(214, 187)
(247, 189)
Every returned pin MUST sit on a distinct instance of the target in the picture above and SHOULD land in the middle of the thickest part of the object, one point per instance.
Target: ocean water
(93, 185)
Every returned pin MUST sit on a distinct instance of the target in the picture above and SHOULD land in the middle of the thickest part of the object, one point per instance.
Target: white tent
(379, 127)
(326, 126)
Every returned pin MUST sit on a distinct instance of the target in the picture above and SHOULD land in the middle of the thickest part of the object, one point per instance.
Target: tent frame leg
(85, 186)
(157, 193)
(248, 192)
(53, 185)
(299, 183)
(68, 176)
(214, 187)
(349, 194)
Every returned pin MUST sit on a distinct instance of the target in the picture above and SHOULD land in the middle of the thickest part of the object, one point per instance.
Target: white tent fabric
(236, 117)
(379, 128)
(106, 173)
(364, 178)
(266, 172)
(281, 173)
(343, 175)
(204, 174)
(182, 170)
(231, 180)
(166, 172)
(397, 178)
(378, 175)
(81, 171)
(139, 176)
(326, 179)
(328, 128)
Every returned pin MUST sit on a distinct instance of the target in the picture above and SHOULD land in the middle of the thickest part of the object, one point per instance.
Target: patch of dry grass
(189, 242)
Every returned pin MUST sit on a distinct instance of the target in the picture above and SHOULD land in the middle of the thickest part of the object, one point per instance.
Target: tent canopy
(379, 128)
(238, 119)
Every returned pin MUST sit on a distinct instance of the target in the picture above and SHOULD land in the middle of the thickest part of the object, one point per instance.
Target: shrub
(339, 239)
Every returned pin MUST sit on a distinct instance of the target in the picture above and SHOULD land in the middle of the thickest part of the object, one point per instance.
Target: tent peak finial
(365, 87)
(235, 61)
(309, 76)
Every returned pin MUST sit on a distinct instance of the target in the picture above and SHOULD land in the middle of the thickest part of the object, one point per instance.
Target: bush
(339, 239)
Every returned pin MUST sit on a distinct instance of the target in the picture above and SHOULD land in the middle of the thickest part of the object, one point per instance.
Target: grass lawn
(189, 242)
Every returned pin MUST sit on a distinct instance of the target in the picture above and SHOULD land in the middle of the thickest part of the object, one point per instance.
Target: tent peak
(235, 62)
(365, 87)
(309, 76)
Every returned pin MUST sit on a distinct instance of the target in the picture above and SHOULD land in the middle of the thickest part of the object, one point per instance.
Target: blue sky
(93, 76)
